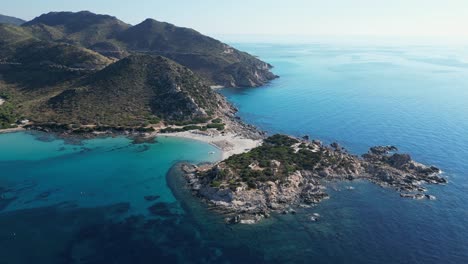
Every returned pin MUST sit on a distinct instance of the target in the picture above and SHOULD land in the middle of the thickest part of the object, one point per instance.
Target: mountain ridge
(11, 20)
(217, 62)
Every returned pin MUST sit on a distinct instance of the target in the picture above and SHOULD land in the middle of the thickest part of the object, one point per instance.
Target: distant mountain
(83, 28)
(30, 62)
(20, 45)
(11, 20)
(216, 62)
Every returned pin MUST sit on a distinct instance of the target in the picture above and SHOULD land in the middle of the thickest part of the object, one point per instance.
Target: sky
(376, 18)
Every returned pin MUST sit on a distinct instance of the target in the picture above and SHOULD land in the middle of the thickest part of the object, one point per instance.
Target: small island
(285, 172)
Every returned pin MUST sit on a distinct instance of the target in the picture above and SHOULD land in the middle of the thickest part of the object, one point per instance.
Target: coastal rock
(415, 196)
(382, 150)
(251, 186)
(314, 217)
(336, 146)
(399, 160)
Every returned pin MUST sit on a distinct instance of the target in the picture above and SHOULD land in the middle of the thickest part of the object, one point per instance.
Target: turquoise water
(64, 202)
(51, 189)
(96, 172)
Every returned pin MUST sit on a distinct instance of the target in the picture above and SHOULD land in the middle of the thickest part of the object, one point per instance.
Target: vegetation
(83, 28)
(192, 127)
(197, 120)
(215, 61)
(274, 160)
(11, 20)
(136, 91)
(7, 116)
(188, 128)
(60, 54)
(62, 69)
(219, 127)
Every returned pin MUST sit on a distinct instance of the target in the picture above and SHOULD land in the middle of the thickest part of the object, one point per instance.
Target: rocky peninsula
(285, 173)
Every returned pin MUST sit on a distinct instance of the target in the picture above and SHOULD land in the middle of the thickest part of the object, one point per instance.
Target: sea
(114, 200)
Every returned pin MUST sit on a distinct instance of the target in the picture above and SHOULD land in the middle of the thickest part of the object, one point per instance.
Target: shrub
(191, 127)
(217, 121)
(171, 130)
(219, 127)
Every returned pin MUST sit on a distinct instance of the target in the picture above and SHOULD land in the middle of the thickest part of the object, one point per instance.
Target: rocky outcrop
(245, 75)
(248, 200)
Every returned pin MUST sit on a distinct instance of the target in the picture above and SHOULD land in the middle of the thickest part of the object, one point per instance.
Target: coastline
(12, 130)
(228, 143)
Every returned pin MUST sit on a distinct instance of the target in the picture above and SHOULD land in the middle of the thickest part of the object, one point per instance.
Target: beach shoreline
(12, 130)
(228, 143)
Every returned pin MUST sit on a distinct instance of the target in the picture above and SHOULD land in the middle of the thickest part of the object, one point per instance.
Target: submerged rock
(151, 198)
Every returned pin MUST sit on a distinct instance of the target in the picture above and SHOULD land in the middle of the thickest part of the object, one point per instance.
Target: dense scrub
(274, 160)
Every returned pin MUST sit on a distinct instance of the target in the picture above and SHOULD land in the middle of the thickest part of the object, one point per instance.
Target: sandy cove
(229, 143)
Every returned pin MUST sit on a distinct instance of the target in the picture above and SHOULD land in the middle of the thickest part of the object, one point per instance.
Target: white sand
(230, 144)
(11, 130)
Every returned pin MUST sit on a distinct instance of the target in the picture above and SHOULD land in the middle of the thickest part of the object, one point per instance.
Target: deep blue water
(68, 203)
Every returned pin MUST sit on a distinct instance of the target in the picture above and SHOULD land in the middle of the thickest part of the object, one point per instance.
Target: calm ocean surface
(85, 203)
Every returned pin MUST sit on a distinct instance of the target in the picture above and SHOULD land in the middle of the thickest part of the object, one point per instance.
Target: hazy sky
(439, 18)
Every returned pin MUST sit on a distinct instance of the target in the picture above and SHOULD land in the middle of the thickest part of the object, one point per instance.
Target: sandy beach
(11, 130)
(229, 143)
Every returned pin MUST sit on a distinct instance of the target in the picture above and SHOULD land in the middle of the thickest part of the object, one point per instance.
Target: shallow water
(85, 203)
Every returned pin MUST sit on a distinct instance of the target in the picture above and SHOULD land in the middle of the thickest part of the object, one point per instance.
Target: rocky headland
(285, 173)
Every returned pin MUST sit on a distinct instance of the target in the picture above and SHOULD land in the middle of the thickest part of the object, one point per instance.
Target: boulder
(336, 146)
(399, 160)
(382, 150)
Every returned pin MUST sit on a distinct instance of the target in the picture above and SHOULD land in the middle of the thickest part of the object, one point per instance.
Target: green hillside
(216, 62)
(132, 92)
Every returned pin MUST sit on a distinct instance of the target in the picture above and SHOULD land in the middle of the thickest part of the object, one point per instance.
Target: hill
(11, 20)
(27, 61)
(135, 91)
